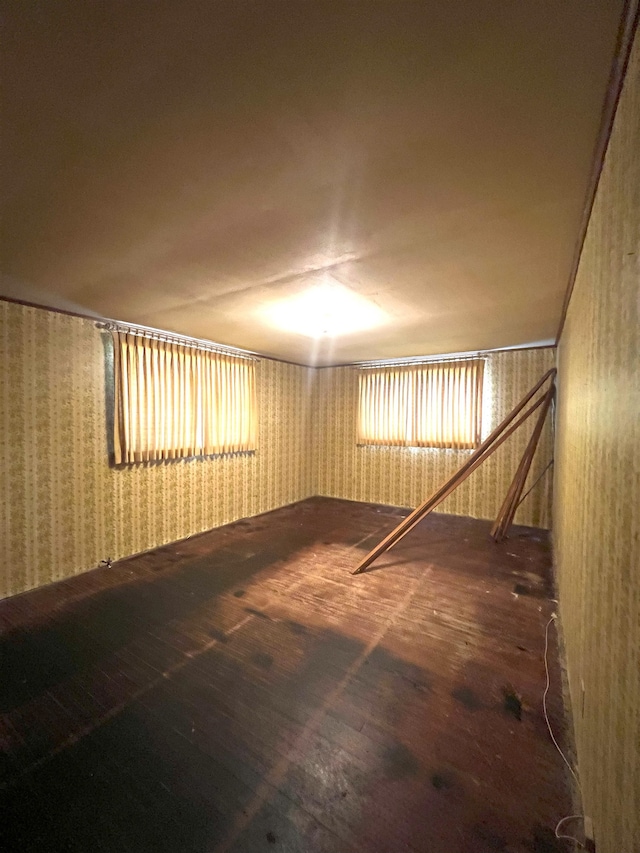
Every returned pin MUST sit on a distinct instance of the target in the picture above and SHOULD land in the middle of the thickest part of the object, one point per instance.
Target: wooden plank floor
(242, 691)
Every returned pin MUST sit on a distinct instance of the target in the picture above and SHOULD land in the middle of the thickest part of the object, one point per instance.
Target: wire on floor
(553, 738)
(570, 837)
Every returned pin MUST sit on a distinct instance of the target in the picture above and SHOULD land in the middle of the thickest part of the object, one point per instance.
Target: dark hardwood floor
(242, 691)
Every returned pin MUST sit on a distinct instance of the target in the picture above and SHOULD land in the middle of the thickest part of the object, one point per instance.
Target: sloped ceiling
(184, 165)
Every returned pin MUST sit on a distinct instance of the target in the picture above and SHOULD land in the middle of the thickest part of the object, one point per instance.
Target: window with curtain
(426, 405)
(173, 400)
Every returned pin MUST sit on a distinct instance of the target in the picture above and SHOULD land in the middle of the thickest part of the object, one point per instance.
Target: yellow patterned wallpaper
(597, 500)
(63, 509)
(407, 476)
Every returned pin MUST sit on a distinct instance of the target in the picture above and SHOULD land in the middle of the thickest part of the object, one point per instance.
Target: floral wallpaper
(407, 476)
(63, 509)
(597, 502)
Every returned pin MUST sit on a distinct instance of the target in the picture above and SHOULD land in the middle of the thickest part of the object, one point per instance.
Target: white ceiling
(185, 165)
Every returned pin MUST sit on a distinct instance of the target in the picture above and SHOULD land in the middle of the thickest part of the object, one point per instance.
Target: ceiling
(187, 165)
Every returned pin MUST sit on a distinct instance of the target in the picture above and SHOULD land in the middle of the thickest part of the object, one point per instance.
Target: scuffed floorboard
(242, 691)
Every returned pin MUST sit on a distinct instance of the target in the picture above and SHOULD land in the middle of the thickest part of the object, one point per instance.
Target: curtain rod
(409, 362)
(437, 359)
(184, 340)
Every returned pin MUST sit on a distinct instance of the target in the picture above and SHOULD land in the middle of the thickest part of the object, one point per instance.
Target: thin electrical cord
(535, 484)
(544, 700)
(570, 837)
(553, 737)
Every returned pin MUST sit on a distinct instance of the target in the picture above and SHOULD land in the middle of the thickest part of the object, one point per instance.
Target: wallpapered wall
(597, 492)
(63, 509)
(407, 476)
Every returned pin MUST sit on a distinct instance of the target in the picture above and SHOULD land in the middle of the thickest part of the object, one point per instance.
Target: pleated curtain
(174, 401)
(427, 405)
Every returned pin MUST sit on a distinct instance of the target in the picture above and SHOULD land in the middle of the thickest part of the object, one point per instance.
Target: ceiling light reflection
(328, 309)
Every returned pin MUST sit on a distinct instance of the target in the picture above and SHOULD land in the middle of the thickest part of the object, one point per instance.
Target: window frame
(401, 388)
(167, 395)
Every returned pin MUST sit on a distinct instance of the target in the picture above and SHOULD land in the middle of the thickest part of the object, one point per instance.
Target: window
(174, 400)
(426, 405)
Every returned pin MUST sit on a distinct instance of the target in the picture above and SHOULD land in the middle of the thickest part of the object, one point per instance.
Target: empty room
(320, 426)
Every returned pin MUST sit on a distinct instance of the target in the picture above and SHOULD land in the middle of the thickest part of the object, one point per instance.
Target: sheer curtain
(174, 400)
(426, 405)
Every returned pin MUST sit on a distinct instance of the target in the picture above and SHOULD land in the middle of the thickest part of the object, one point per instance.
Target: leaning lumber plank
(508, 509)
(513, 486)
(454, 484)
(477, 456)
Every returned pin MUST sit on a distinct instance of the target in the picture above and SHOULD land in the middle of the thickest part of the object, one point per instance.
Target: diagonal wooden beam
(453, 486)
(477, 457)
(410, 522)
(512, 499)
